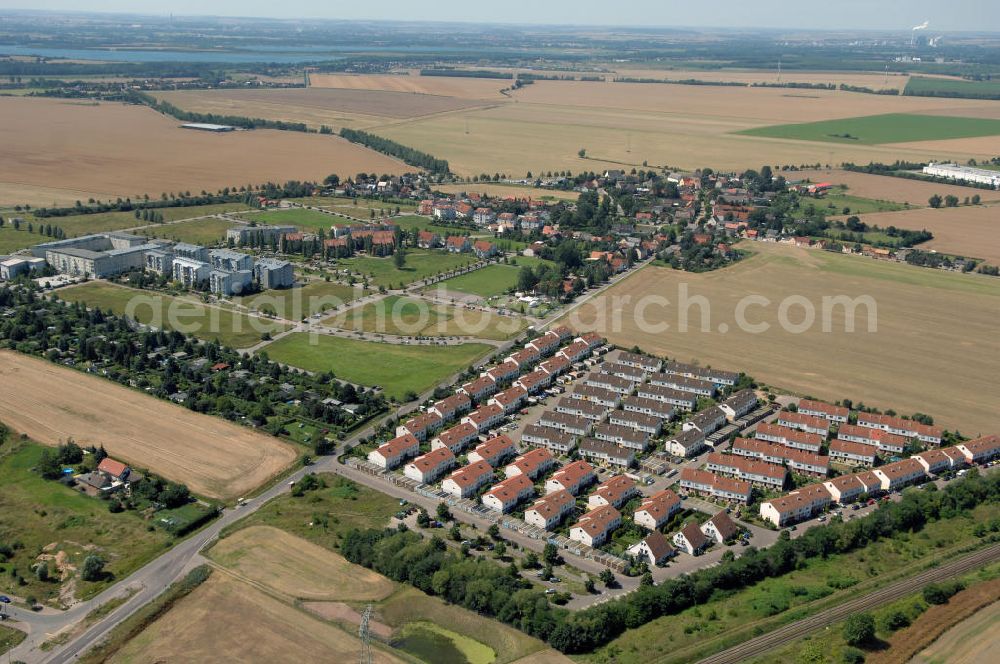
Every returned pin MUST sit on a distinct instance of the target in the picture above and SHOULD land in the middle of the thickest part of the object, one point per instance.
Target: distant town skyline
(902, 15)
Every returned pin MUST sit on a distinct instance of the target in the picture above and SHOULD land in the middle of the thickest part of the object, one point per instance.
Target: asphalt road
(784, 635)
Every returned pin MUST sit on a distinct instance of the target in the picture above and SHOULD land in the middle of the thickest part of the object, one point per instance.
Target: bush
(893, 621)
(859, 629)
(852, 656)
(940, 593)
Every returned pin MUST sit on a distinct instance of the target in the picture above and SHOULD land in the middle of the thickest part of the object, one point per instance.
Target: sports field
(406, 316)
(167, 312)
(935, 349)
(972, 231)
(296, 568)
(879, 129)
(420, 264)
(109, 149)
(397, 368)
(226, 620)
(215, 458)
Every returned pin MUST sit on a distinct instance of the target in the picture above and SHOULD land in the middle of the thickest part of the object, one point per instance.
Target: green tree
(934, 201)
(582, 154)
(93, 568)
(443, 513)
(859, 629)
(951, 201)
(399, 258)
(550, 554)
(607, 577)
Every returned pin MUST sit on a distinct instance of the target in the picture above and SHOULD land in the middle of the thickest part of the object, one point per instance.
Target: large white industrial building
(964, 174)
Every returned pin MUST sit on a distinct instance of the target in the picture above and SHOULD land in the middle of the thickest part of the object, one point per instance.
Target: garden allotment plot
(887, 128)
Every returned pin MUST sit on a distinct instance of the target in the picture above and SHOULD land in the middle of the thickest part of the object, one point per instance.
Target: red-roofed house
(484, 249)
(428, 467)
(494, 451)
(395, 452)
(981, 450)
(594, 527)
(822, 409)
(456, 438)
(510, 399)
(479, 388)
(572, 478)
(857, 454)
(505, 495)
(547, 512)
(532, 463)
(897, 475)
(657, 509)
(452, 406)
(116, 471)
(458, 244)
(485, 417)
(803, 422)
(421, 425)
(615, 491)
(465, 481)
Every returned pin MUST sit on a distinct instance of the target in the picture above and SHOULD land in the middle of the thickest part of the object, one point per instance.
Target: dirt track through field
(213, 457)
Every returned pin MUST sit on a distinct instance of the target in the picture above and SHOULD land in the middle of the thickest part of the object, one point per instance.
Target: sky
(809, 14)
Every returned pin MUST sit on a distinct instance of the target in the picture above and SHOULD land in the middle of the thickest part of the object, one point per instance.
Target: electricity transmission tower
(366, 637)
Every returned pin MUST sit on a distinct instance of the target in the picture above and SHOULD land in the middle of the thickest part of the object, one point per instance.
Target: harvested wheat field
(884, 187)
(131, 150)
(296, 568)
(224, 620)
(753, 106)
(317, 106)
(519, 137)
(972, 231)
(962, 631)
(213, 457)
(462, 87)
(934, 349)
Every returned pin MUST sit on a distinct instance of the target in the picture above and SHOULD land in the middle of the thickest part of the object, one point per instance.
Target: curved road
(785, 635)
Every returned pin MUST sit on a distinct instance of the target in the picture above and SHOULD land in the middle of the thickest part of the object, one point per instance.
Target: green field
(413, 222)
(152, 308)
(878, 129)
(47, 518)
(11, 240)
(397, 369)
(433, 643)
(835, 203)
(302, 301)
(301, 218)
(205, 232)
(404, 316)
(491, 280)
(733, 617)
(944, 87)
(420, 264)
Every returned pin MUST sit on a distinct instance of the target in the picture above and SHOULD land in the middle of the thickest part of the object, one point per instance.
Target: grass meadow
(185, 315)
(398, 369)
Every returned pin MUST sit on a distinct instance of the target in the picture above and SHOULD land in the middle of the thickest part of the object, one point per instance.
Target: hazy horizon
(884, 15)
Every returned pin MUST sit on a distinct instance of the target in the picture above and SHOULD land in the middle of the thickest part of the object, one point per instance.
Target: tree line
(411, 156)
